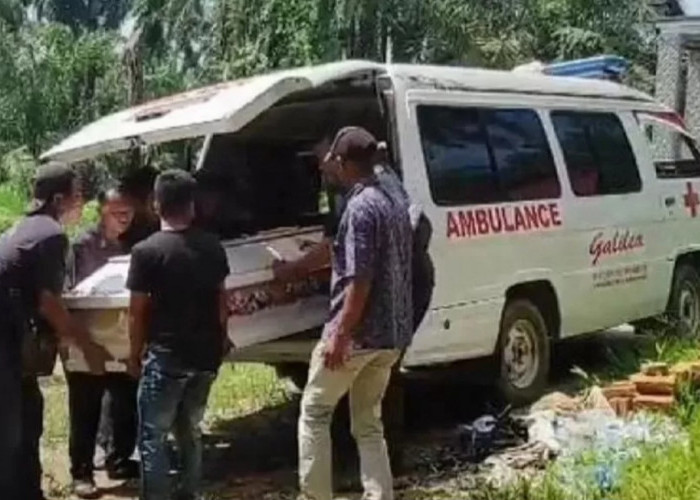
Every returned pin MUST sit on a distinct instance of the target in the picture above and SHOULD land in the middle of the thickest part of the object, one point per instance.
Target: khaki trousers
(366, 376)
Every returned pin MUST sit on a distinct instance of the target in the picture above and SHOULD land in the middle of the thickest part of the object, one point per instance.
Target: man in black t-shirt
(32, 272)
(177, 325)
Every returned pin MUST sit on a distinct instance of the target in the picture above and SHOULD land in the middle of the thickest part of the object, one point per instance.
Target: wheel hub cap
(520, 355)
(688, 310)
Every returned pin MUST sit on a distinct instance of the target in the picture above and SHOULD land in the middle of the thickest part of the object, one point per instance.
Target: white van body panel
(474, 274)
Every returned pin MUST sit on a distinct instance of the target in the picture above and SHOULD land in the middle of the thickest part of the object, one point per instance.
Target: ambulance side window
(598, 155)
(480, 155)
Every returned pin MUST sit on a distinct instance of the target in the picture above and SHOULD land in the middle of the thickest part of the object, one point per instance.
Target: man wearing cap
(422, 269)
(319, 255)
(92, 249)
(32, 272)
(370, 320)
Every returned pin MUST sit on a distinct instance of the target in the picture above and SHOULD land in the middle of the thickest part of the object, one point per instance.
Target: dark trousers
(10, 425)
(32, 428)
(85, 395)
(21, 422)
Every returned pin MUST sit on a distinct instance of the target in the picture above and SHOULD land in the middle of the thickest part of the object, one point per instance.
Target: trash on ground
(585, 437)
(490, 433)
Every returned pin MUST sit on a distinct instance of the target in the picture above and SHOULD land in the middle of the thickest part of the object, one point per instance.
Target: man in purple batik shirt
(370, 321)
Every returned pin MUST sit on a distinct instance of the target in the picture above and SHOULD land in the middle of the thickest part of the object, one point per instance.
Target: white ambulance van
(559, 206)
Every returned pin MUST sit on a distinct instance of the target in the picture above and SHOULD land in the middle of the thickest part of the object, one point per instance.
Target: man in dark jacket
(92, 250)
(32, 274)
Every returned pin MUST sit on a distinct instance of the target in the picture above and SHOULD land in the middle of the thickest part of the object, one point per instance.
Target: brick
(682, 371)
(659, 385)
(654, 403)
(622, 406)
(654, 369)
(621, 389)
(686, 372)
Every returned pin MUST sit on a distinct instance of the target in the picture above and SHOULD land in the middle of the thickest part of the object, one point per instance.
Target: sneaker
(85, 488)
(128, 470)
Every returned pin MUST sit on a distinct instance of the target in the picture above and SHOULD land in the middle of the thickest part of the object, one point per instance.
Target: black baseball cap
(50, 180)
(354, 144)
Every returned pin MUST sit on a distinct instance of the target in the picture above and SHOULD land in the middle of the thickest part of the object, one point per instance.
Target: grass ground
(244, 413)
(239, 391)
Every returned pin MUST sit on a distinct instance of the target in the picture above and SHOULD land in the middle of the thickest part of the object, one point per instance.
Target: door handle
(669, 201)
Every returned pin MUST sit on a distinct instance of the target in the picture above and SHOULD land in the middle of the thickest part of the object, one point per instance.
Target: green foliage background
(61, 61)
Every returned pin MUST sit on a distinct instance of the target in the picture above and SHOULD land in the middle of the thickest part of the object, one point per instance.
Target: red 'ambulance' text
(504, 219)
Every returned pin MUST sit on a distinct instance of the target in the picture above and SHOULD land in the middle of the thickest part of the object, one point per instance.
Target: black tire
(684, 302)
(523, 330)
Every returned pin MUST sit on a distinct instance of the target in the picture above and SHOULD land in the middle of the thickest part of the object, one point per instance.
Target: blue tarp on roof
(602, 67)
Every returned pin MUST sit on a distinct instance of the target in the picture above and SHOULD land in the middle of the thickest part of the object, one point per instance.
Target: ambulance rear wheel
(684, 303)
(524, 352)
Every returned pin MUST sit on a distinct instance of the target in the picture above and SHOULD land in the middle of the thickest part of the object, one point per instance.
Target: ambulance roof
(229, 106)
(523, 82)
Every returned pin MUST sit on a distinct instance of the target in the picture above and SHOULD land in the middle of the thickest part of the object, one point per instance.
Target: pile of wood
(654, 388)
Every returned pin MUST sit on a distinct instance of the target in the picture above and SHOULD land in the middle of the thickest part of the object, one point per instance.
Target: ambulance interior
(265, 176)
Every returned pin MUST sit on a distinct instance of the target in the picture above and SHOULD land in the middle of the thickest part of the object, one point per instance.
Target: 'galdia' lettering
(502, 219)
(621, 242)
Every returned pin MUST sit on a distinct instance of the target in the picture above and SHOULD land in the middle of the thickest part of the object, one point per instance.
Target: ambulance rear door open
(218, 109)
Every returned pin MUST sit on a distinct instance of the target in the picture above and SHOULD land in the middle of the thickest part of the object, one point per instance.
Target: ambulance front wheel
(523, 352)
(684, 302)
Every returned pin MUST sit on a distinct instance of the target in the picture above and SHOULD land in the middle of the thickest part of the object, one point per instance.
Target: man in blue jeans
(177, 325)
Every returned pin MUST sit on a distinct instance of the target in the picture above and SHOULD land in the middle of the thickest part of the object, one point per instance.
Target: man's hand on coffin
(337, 350)
(95, 356)
(318, 257)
